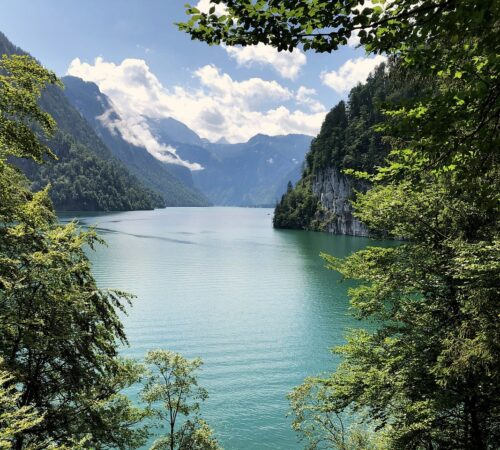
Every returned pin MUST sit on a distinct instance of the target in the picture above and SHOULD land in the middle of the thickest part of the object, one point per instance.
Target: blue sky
(148, 68)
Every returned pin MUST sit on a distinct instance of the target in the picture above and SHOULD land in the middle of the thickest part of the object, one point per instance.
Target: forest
(425, 378)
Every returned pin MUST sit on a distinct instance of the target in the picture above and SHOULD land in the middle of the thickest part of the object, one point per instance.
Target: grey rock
(335, 192)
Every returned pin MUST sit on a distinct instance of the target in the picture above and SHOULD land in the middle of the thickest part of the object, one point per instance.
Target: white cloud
(205, 5)
(287, 64)
(135, 130)
(352, 72)
(217, 107)
(305, 96)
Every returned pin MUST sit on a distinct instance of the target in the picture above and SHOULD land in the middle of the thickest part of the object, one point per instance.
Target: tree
(297, 208)
(173, 384)
(13, 420)
(427, 375)
(323, 428)
(59, 333)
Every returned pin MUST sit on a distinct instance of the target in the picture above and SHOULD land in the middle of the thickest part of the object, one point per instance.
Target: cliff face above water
(335, 192)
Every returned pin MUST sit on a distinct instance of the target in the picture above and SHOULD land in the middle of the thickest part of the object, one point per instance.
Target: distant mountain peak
(173, 131)
(260, 137)
(222, 141)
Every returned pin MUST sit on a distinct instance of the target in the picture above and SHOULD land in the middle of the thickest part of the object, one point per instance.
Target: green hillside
(86, 175)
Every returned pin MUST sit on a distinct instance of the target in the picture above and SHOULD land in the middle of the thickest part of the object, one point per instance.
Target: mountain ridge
(173, 182)
(251, 173)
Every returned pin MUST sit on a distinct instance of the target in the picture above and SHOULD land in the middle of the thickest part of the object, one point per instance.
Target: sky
(133, 51)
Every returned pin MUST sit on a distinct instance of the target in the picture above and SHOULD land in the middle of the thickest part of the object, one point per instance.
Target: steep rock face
(335, 192)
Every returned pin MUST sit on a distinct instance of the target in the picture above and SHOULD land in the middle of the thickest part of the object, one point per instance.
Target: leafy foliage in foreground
(13, 420)
(59, 334)
(323, 428)
(172, 385)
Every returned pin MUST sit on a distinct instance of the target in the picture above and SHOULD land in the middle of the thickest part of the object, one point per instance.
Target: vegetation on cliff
(297, 208)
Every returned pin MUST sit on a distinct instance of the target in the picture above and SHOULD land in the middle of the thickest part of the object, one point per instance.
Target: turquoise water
(256, 304)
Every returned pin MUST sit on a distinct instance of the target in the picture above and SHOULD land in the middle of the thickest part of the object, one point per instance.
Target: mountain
(322, 199)
(86, 175)
(174, 182)
(169, 129)
(254, 173)
(222, 140)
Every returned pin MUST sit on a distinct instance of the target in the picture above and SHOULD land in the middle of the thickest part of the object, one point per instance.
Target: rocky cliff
(335, 192)
(348, 139)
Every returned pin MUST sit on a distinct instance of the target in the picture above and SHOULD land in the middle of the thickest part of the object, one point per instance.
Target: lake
(256, 304)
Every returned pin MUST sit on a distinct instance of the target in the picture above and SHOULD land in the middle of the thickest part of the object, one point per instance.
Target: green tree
(172, 385)
(59, 333)
(13, 420)
(297, 208)
(430, 371)
(427, 375)
(323, 428)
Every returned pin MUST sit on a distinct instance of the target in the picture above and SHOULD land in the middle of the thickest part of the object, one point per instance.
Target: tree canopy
(172, 390)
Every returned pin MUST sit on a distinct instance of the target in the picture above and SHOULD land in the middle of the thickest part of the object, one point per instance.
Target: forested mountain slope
(173, 182)
(321, 200)
(86, 175)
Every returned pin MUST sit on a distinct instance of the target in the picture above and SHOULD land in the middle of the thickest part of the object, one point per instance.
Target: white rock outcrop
(335, 192)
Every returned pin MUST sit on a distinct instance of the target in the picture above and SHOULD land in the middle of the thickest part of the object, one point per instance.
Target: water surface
(256, 304)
